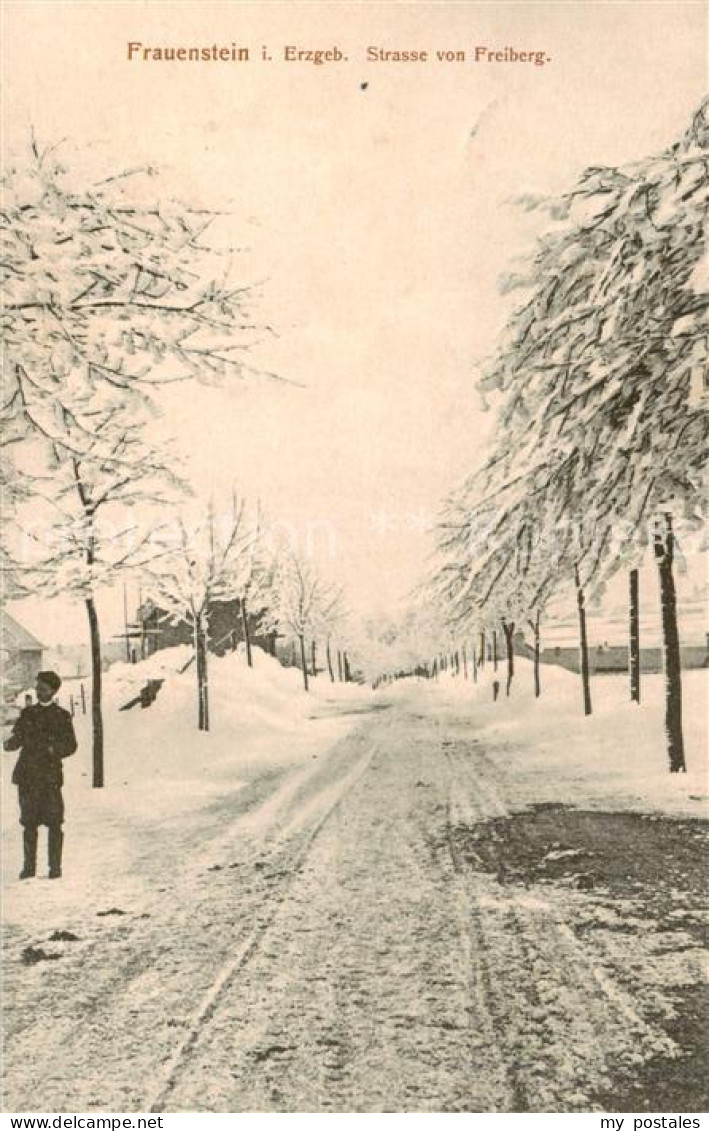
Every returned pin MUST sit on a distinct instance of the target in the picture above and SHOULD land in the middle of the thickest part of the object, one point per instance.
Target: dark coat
(44, 735)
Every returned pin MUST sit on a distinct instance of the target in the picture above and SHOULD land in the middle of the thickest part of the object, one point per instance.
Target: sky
(373, 201)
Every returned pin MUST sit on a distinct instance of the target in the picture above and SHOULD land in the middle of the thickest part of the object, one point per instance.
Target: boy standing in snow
(44, 734)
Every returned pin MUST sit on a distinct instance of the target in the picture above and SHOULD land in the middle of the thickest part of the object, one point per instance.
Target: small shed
(21, 655)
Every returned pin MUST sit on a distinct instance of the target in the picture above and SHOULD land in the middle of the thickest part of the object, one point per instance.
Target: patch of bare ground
(636, 887)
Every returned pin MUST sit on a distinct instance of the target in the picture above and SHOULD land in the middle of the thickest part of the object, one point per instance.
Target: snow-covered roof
(14, 637)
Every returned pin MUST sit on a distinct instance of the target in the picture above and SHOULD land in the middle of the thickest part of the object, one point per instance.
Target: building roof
(15, 638)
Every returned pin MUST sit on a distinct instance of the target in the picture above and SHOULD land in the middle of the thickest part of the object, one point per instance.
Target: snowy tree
(92, 487)
(252, 576)
(198, 568)
(104, 289)
(301, 596)
(602, 429)
(603, 365)
(500, 557)
(408, 643)
(330, 619)
(106, 295)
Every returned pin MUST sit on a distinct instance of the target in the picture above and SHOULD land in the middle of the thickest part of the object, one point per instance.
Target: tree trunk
(509, 631)
(247, 632)
(346, 666)
(96, 712)
(465, 661)
(664, 545)
(313, 664)
(494, 649)
(302, 660)
(583, 644)
(534, 625)
(198, 674)
(339, 665)
(634, 642)
(205, 683)
(474, 658)
(482, 650)
(200, 644)
(328, 654)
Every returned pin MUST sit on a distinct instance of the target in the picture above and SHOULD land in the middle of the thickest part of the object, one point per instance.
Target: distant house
(21, 656)
(156, 629)
(72, 661)
(608, 646)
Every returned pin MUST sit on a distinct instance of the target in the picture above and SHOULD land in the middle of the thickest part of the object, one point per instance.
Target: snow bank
(615, 759)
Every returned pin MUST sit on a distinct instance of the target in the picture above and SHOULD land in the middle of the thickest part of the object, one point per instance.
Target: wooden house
(156, 629)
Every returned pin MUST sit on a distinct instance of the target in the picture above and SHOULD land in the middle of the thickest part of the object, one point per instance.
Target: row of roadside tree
(600, 384)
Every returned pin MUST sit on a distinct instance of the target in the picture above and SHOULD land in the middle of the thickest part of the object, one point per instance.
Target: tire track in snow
(235, 964)
(486, 993)
(363, 995)
(459, 809)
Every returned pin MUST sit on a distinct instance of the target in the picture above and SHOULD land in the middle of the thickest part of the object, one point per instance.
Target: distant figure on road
(44, 735)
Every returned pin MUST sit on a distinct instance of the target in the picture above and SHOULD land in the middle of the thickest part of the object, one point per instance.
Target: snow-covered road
(384, 928)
